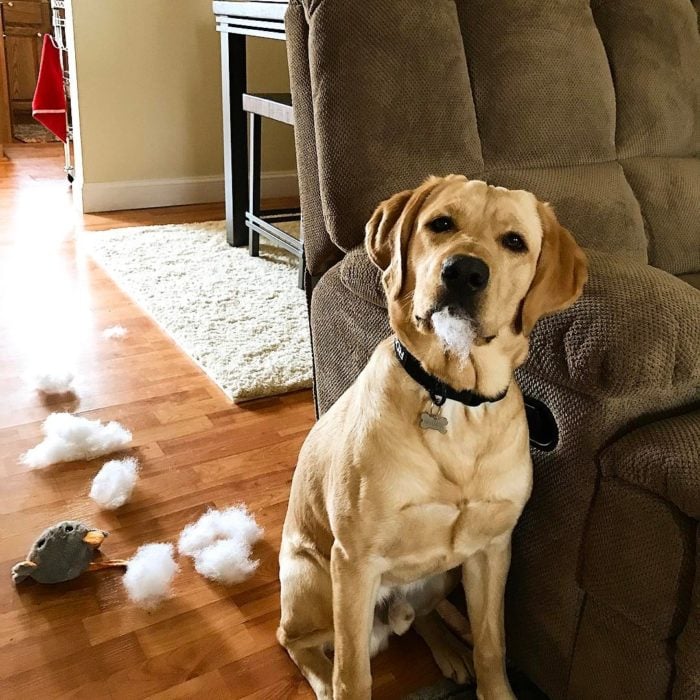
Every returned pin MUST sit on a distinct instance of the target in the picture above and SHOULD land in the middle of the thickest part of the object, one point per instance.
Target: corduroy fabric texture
(594, 107)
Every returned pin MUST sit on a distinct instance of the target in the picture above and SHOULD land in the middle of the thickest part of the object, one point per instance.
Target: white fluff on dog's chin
(457, 333)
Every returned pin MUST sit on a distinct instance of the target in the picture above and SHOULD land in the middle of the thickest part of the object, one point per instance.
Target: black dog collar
(439, 392)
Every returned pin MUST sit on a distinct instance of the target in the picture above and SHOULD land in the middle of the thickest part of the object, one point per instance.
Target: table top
(225, 7)
(261, 18)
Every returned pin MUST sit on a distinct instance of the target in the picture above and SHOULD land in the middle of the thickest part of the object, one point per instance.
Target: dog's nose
(465, 274)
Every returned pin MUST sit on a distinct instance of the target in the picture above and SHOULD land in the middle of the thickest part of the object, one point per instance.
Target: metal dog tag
(433, 421)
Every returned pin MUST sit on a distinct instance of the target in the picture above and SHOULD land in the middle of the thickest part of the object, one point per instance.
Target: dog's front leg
(485, 574)
(355, 585)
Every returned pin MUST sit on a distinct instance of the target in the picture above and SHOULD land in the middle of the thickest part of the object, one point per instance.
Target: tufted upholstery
(591, 105)
(594, 105)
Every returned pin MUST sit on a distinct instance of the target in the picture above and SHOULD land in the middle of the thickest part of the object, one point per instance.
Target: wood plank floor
(83, 639)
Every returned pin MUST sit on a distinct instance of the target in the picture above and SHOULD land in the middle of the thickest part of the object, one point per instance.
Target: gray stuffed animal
(62, 553)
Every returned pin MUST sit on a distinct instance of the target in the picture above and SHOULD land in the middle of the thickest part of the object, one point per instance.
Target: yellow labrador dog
(416, 477)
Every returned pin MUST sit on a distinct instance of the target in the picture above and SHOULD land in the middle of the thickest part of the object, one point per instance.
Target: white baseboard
(145, 194)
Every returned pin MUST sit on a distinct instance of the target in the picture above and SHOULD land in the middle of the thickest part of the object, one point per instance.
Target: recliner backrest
(592, 105)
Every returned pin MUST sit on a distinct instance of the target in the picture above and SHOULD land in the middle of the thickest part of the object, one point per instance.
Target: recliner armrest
(662, 458)
(634, 331)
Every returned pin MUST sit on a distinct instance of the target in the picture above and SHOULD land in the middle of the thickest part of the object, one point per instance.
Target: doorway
(23, 24)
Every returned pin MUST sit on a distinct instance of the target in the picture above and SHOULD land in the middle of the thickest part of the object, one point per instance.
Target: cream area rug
(242, 319)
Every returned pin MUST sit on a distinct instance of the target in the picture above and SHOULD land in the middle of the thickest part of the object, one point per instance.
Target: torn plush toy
(69, 438)
(66, 550)
(63, 552)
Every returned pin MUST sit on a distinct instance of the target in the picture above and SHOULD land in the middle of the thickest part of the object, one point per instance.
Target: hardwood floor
(83, 639)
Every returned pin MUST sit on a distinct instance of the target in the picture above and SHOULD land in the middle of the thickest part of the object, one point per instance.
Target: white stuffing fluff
(69, 438)
(114, 483)
(232, 523)
(52, 380)
(220, 543)
(457, 334)
(226, 561)
(114, 332)
(149, 574)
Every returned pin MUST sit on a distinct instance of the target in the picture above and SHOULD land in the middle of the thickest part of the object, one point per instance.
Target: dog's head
(465, 262)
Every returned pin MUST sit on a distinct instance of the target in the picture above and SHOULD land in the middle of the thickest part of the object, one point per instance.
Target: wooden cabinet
(24, 22)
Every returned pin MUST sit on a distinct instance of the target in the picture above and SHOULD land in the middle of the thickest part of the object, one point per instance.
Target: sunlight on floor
(44, 302)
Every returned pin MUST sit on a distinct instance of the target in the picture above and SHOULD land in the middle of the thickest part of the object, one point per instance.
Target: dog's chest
(452, 502)
(434, 536)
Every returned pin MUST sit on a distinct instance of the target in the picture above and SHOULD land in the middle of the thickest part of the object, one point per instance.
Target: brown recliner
(595, 107)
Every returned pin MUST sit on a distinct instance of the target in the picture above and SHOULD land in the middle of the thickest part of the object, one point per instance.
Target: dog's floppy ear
(380, 236)
(388, 231)
(562, 271)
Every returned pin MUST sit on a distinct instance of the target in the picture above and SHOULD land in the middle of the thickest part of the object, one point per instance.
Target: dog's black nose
(465, 274)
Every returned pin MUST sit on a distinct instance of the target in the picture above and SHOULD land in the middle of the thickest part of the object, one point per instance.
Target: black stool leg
(233, 75)
(254, 129)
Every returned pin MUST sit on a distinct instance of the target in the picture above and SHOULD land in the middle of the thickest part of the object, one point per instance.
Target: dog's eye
(441, 224)
(513, 241)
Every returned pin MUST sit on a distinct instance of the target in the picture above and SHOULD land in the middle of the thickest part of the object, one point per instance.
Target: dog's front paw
(346, 689)
(323, 693)
(454, 659)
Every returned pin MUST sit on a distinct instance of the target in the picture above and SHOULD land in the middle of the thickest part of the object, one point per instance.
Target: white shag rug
(242, 319)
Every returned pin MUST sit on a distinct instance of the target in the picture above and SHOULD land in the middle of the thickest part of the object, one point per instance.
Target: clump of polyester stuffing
(457, 334)
(221, 542)
(232, 523)
(52, 380)
(114, 332)
(68, 438)
(114, 483)
(149, 574)
(226, 561)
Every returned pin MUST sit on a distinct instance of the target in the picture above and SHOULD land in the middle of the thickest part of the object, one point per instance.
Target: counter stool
(277, 106)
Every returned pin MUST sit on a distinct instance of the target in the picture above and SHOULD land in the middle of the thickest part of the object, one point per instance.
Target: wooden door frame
(5, 119)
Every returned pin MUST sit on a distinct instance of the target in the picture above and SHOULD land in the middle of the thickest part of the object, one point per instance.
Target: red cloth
(49, 103)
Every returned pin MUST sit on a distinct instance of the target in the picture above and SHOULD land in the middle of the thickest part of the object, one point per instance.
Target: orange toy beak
(95, 538)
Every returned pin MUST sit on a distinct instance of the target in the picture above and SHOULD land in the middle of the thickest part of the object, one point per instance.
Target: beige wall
(148, 81)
